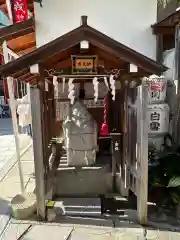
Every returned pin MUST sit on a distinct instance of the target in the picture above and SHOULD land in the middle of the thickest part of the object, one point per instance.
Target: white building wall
(127, 21)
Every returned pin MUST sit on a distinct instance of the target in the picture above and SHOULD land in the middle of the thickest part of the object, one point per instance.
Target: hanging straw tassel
(63, 84)
(105, 128)
(95, 83)
(71, 90)
(55, 83)
(113, 87)
(106, 83)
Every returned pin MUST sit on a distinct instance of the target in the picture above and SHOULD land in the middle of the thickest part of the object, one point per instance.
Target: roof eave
(74, 37)
(17, 30)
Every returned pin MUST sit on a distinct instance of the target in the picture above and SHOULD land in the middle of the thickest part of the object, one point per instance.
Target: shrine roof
(20, 37)
(167, 25)
(74, 37)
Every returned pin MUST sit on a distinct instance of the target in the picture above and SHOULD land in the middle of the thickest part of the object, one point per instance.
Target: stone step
(78, 207)
(85, 180)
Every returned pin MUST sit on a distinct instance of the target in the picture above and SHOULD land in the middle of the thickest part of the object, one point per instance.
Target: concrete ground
(72, 228)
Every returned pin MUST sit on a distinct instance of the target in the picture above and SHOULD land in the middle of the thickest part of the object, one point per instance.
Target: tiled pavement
(35, 231)
(9, 175)
(10, 186)
(7, 146)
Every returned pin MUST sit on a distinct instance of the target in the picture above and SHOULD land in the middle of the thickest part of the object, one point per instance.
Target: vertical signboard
(20, 10)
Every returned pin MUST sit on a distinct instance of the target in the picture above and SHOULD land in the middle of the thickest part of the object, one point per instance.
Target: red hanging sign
(20, 10)
(159, 86)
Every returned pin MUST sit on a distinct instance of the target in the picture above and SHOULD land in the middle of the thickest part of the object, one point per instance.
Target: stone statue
(80, 133)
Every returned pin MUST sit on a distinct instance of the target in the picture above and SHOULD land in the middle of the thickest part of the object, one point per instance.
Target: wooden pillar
(159, 48)
(36, 110)
(44, 117)
(53, 110)
(125, 141)
(142, 181)
(176, 134)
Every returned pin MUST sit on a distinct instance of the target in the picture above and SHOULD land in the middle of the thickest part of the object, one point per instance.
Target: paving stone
(87, 236)
(152, 235)
(4, 148)
(127, 236)
(93, 230)
(162, 235)
(5, 168)
(14, 231)
(129, 233)
(27, 168)
(9, 180)
(168, 235)
(93, 233)
(9, 175)
(8, 153)
(46, 232)
(5, 211)
(4, 218)
(132, 226)
(9, 190)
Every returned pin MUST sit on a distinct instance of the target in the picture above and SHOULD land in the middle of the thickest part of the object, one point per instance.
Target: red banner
(20, 10)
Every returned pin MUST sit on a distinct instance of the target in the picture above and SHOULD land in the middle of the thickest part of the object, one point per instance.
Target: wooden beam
(24, 76)
(20, 73)
(159, 48)
(170, 21)
(168, 42)
(36, 109)
(30, 79)
(68, 64)
(25, 46)
(165, 30)
(17, 30)
(27, 50)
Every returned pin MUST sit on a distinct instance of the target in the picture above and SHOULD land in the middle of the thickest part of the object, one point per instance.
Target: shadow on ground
(5, 207)
(6, 126)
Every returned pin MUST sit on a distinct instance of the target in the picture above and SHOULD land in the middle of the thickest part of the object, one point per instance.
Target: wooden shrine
(102, 58)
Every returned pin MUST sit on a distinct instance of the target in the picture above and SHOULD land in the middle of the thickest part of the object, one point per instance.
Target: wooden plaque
(84, 64)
